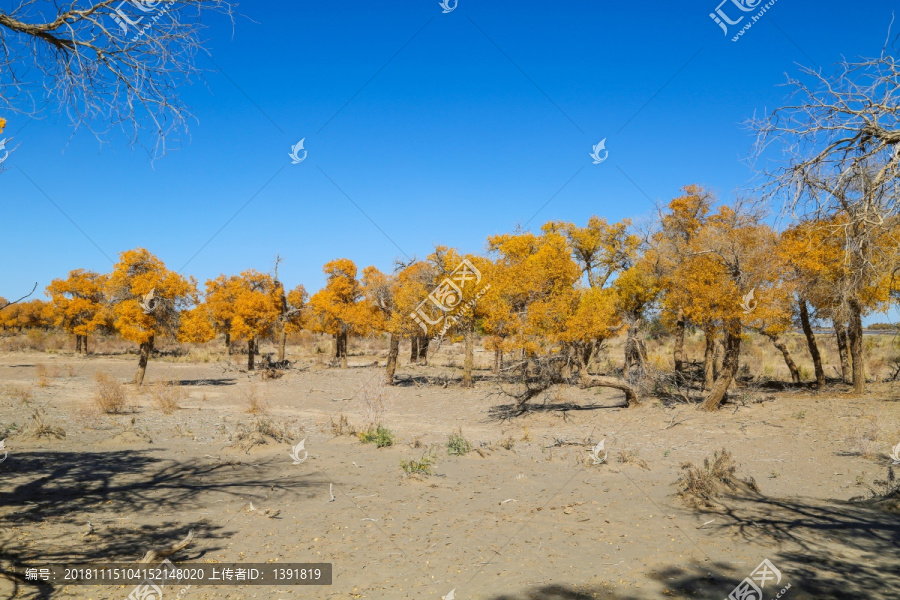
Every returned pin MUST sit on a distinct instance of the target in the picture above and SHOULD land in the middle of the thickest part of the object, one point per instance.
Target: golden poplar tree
(79, 305)
(147, 300)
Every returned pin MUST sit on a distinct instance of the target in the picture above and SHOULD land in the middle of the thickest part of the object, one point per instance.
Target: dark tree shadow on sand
(70, 488)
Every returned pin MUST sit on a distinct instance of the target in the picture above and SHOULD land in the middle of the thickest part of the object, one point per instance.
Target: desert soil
(526, 516)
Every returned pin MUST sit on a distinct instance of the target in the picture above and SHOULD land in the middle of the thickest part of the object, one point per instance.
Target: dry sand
(527, 516)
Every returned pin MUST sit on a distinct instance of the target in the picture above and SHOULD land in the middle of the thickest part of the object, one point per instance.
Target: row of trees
(544, 303)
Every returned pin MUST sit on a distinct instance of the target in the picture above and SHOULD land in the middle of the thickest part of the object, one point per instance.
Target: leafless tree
(105, 63)
(20, 299)
(840, 139)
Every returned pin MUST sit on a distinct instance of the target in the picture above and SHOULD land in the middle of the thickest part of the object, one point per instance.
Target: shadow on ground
(67, 490)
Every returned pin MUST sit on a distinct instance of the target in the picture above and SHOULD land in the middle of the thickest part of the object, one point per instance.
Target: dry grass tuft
(23, 395)
(260, 431)
(255, 404)
(703, 485)
(38, 428)
(45, 373)
(864, 438)
(167, 396)
(342, 426)
(109, 395)
(630, 457)
(375, 400)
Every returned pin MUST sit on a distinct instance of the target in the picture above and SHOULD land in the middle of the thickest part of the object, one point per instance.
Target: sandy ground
(526, 517)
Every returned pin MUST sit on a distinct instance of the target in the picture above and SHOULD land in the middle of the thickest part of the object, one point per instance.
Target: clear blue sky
(479, 119)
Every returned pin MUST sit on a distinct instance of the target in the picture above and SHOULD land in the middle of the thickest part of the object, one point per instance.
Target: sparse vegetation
(705, 484)
(109, 395)
(458, 445)
(379, 435)
(418, 467)
(37, 427)
(167, 396)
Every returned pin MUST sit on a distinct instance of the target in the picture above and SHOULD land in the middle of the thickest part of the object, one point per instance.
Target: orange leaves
(338, 308)
(78, 302)
(137, 273)
(256, 308)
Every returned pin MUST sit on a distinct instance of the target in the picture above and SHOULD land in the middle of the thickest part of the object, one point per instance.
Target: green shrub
(418, 467)
(457, 445)
(381, 437)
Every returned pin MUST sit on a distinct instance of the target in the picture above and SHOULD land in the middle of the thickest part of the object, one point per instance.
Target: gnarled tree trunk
(77, 343)
(468, 379)
(791, 365)
(251, 353)
(840, 332)
(730, 362)
(422, 346)
(635, 351)
(393, 354)
(855, 337)
(709, 358)
(589, 381)
(413, 349)
(84, 347)
(228, 343)
(678, 351)
(811, 342)
(283, 344)
(146, 349)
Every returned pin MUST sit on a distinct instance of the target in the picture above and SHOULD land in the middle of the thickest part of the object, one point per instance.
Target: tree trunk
(393, 353)
(342, 348)
(145, 351)
(811, 342)
(792, 367)
(423, 350)
(84, 347)
(498, 360)
(635, 352)
(469, 361)
(855, 337)
(840, 332)
(77, 343)
(228, 343)
(413, 348)
(251, 353)
(709, 358)
(678, 352)
(587, 352)
(729, 369)
(611, 382)
(283, 343)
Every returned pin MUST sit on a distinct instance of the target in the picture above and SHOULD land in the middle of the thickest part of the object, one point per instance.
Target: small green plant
(418, 467)
(457, 445)
(666, 453)
(800, 415)
(381, 436)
